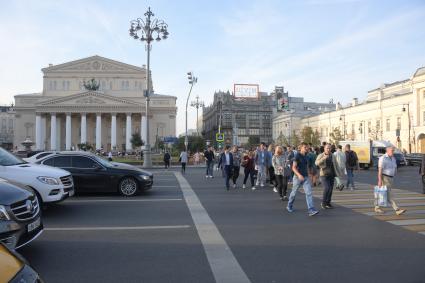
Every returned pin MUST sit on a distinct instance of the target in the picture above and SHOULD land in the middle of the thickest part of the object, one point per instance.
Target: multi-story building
(394, 112)
(7, 125)
(240, 119)
(67, 113)
(287, 121)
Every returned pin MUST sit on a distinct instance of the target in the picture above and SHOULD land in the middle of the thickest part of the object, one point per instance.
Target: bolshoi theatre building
(67, 113)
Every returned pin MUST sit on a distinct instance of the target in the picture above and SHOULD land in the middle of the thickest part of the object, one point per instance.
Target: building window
(103, 85)
(110, 85)
(399, 123)
(240, 120)
(227, 119)
(423, 116)
(254, 132)
(54, 85)
(388, 125)
(10, 124)
(369, 126)
(378, 125)
(353, 126)
(254, 120)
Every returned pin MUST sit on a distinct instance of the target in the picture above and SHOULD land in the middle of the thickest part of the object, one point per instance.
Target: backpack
(351, 159)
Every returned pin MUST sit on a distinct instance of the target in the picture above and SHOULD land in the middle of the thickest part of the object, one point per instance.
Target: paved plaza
(189, 229)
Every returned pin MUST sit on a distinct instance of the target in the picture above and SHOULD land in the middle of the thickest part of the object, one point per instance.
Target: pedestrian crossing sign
(219, 137)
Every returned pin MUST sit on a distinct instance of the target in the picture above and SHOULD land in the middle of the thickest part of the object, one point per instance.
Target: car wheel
(128, 187)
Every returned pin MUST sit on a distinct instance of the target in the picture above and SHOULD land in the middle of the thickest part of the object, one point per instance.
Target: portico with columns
(105, 118)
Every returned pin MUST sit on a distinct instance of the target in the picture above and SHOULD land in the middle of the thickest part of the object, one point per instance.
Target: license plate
(34, 225)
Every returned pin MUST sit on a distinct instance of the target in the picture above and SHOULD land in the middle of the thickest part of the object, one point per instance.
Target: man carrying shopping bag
(387, 168)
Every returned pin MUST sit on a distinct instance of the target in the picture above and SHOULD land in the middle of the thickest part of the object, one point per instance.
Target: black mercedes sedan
(92, 173)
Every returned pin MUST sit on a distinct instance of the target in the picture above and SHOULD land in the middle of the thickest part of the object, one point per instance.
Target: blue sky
(317, 49)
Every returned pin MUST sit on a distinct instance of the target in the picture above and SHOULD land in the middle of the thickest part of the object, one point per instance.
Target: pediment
(88, 98)
(94, 64)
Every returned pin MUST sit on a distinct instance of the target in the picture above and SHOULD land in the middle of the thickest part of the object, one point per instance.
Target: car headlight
(3, 213)
(145, 177)
(48, 180)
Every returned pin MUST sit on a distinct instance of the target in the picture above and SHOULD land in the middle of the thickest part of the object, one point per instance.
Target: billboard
(282, 99)
(246, 91)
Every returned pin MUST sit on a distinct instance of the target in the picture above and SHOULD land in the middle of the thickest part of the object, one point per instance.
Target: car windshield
(104, 162)
(8, 159)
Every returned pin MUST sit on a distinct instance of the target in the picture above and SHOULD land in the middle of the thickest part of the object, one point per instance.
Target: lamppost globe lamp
(147, 30)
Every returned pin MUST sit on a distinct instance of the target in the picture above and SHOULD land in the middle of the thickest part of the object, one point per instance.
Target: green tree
(196, 143)
(336, 136)
(85, 146)
(136, 140)
(282, 140)
(294, 139)
(253, 141)
(310, 136)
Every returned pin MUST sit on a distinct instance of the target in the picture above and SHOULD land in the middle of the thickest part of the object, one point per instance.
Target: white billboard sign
(246, 91)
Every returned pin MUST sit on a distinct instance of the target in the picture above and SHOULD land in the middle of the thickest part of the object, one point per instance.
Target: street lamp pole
(409, 124)
(197, 104)
(145, 30)
(192, 80)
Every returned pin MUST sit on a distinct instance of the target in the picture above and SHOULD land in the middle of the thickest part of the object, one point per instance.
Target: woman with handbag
(282, 171)
(249, 169)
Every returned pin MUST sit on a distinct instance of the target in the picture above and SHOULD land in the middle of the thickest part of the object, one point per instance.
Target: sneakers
(313, 212)
(275, 189)
(206, 176)
(234, 186)
(400, 211)
(340, 187)
(243, 186)
(254, 188)
(379, 210)
(262, 185)
(285, 198)
(289, 209)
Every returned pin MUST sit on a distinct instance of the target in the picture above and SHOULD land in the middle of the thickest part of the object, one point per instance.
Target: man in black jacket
(209, 158)
(226, 161)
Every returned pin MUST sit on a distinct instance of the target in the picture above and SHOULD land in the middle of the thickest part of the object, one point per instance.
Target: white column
(38, 141)
(83, 128)
(98, 131)
(43, 132)
(113, 131)
(143, 126)
(53, 131)
(68, 132)
(128, 133)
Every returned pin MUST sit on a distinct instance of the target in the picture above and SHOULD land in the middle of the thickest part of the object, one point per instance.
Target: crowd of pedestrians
(304, 167)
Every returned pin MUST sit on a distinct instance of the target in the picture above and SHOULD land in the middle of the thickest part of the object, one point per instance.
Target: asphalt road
(195, 231)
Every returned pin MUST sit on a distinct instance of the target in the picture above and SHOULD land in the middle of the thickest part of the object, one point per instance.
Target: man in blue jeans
(300, 169)
(226, 161)
(352, 163)
(209, 158)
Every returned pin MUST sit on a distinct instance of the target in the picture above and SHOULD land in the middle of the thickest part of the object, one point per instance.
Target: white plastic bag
(381, 196)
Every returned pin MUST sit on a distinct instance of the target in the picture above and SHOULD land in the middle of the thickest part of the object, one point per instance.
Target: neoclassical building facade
(393, 112)
(66, 114)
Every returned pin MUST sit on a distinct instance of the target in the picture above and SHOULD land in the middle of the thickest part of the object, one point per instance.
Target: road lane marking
(121, 200)
(407, 222)
(371, 205)
(223, 263)
(117, 228)
(408, 212)
(165, 186)
(369, 199)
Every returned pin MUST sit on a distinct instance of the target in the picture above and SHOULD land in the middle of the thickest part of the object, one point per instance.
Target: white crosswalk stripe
(361, 200)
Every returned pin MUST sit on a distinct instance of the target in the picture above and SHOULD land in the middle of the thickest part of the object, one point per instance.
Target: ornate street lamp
(147, 30)
(197, 104)
(192, 80)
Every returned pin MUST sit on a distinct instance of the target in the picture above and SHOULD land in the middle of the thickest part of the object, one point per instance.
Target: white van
(50, 184)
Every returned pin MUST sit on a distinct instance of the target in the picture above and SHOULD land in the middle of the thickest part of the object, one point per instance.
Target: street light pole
(197, 104)
(192, 80)
(409, 125)
(145, 31)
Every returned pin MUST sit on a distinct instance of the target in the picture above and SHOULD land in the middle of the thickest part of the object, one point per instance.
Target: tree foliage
(136, 140)
(310, 136)
(196, 143)
(336, 136)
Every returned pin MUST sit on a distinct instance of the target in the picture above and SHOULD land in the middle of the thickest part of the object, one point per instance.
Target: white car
(36, 157)
(50, 184)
